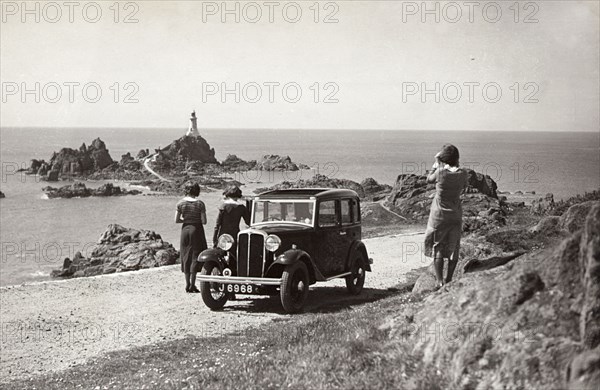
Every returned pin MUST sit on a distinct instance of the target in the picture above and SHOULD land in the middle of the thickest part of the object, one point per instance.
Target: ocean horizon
(37, 234)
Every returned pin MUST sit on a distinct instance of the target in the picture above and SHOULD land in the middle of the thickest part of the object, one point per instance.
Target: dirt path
(147, 161)
(53, 325)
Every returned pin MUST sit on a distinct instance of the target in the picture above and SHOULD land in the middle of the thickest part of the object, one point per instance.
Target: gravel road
(53, 325)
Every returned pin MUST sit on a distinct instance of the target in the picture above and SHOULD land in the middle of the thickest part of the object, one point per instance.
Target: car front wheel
(213, 294)
(356, 280)
(294, 287)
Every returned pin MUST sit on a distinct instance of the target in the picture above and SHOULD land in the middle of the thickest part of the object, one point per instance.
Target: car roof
(306, 193)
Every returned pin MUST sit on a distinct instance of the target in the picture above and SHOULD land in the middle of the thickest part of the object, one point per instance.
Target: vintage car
(297, 237)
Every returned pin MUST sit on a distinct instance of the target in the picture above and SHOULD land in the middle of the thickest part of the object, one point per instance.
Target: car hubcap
(298, 289)
(217, 290)
(358, 276)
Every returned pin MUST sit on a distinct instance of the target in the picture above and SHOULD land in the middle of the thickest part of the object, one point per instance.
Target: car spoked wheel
(356, 281)
(294, 287)
(213, 294)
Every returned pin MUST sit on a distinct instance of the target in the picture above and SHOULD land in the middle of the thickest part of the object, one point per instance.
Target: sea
(37, 233)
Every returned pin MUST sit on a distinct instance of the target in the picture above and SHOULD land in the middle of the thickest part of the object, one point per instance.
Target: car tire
(294, 287)
(356, 281)
(213, 296)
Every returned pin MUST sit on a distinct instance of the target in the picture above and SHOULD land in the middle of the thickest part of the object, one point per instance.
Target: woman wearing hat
(191, 212)
(231, 212)
(444, 227)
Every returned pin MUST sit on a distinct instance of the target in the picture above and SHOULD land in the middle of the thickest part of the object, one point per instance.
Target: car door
(329, 239)
(349, 230)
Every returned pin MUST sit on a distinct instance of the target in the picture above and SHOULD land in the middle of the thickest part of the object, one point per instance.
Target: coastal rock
(189, 148)
(573, 219)
(52, 176)
(143, 153)
(120, 249)
(547, 225)
(584, 371)
(235, 164)
(589, 258)
(524, 324)
(543, 205)
(318, 181)
(269, 162)
(375, 190)
(411, 197)
(79, 190)
(129, 163)
(483, 184)
(274, 162)
(74, 162)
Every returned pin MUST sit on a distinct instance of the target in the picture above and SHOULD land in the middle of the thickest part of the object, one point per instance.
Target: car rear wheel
(294, 287)
(356, 281)
(213, 294)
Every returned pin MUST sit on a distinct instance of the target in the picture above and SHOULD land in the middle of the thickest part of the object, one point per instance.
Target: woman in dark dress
(191, 212)
(231, 212)
(444, 227)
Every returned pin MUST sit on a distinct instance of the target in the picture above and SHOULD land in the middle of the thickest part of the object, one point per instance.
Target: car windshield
(292, 211)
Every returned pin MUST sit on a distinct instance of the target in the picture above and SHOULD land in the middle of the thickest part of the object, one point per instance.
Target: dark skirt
(193, 241)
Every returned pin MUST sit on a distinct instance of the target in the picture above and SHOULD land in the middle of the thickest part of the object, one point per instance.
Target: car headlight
(225, 242)
(272, 243)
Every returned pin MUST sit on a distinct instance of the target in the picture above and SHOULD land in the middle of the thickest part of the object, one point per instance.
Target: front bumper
(239, 280)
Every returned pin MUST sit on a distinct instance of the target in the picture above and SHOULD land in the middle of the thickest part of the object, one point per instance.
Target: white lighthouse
(193, 129)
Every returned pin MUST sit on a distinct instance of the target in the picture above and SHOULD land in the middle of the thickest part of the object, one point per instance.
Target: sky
(533, 66)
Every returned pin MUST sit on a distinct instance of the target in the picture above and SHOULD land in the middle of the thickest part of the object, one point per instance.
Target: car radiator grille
(251, 254)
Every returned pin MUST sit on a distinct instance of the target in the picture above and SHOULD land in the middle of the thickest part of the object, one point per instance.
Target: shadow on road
(320, 300)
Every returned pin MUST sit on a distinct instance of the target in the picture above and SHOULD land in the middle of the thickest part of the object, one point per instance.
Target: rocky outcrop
(570, 221)
(188, 148)
(411, 197)
(74, 162)
(371, 190)
(185, 159)
(482, 184)
(235, 164)
(120, 249)
(589, 262)
(532, 323)
(269, 162)
(129, 163)
(374, 190)
(541, 206)
(2, 195)
(274, 162)
(79, 190)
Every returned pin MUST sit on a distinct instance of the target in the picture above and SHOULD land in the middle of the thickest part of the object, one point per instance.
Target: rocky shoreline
(120, 249)
(79, 190)
(189, 158)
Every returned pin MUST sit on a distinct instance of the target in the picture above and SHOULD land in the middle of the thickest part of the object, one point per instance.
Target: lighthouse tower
(193, 129)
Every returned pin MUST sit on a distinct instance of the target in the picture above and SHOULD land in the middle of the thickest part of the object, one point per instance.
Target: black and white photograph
(308, 194)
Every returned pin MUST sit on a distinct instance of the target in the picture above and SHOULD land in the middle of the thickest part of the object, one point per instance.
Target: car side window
(346, 208)
(355, 211)
(327, 215)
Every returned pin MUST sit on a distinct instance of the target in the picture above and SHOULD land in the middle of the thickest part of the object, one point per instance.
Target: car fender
(213, 255)
(358, 246)
(292, 256)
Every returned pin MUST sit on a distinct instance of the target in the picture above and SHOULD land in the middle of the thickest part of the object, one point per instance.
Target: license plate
(240, 288)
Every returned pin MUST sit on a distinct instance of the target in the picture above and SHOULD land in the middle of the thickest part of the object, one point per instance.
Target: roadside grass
(343, 350)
